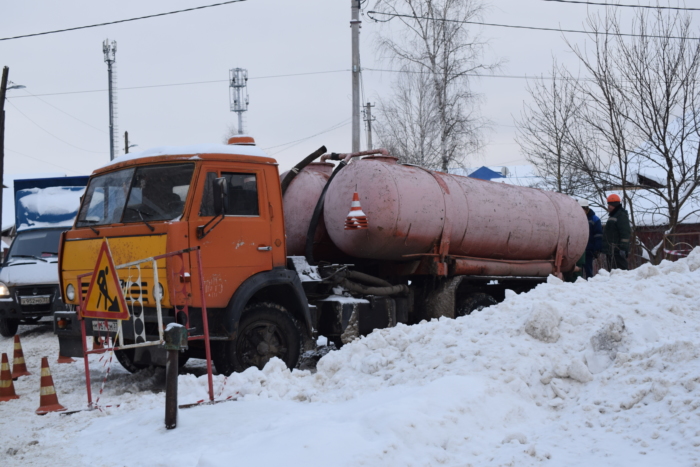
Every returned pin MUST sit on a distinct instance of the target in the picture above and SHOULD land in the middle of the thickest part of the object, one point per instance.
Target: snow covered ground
(604, 373)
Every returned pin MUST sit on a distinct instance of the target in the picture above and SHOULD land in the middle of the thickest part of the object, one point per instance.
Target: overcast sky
(62, 126)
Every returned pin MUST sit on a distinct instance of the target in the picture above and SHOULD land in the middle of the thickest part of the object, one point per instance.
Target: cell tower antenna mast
(110, 51)
(238, 85)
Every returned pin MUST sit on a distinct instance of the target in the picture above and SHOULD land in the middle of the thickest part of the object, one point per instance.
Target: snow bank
(604, 372)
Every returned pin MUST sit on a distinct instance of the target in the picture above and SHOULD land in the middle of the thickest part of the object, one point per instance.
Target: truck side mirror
(220, 190)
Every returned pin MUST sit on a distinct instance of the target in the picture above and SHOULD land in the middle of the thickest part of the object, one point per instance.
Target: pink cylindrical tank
(299, 203)
(408, 207)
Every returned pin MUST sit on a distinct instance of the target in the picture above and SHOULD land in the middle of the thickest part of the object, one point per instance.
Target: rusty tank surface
(486, 227)
(299, 200)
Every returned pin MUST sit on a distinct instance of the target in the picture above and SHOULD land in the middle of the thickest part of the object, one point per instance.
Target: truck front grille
(131, 295)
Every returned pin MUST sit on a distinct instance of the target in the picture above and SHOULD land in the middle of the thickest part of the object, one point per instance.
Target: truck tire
(266, 330)
(8, 327)
(126, 358)
(475, 301)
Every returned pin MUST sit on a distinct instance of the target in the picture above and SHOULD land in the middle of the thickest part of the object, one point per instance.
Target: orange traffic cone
(7, 388)
(19, 368)
(48, 401)
(356, 220)
(62, 359)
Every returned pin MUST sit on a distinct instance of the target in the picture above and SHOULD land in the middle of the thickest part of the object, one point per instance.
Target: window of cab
(143, 194)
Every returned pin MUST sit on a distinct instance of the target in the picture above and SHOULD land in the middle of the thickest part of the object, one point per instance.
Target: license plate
(105, 326)
(38, 300)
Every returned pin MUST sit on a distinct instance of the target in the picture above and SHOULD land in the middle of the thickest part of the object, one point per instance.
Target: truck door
(237, 245)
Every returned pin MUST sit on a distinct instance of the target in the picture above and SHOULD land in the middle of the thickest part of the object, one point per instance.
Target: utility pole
(126, 142)
(110, 51)
(355, 27)
(369, 119)
(3, 90)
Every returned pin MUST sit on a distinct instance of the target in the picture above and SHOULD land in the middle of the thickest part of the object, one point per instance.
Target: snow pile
(604, 372)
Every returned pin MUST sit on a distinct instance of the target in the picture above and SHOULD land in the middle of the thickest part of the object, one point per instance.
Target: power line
(183, 84)
(533, 28)
(477, 75)
(41, 160)
(626, 5)
(63, 111)
(291, 144)
(120, 21)
(47, 131)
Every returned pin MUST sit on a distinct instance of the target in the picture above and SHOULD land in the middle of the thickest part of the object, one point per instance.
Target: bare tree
(545, 131)
(434, 40)
(639, 130)
(409, 124)
(645, 100)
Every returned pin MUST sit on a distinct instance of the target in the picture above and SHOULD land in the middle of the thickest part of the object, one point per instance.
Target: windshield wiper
(88, 222)
(141, 213)
(28, 256)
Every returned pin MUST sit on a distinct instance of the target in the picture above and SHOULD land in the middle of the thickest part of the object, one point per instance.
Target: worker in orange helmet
(616, 234)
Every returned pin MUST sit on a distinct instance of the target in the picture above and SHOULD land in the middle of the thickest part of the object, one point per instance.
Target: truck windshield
(35, 244)
(149, 193)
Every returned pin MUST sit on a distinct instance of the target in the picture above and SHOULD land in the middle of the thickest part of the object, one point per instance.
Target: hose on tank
(400, 289)
(309, 249)
(349, 281)
(366, 278)
(300, 166)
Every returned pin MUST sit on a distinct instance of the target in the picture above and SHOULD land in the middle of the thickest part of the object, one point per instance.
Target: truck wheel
(476, 301)
(266, 330)
(126, 358)
(8, 327)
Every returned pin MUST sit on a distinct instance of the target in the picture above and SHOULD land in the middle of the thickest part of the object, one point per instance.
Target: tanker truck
(274, 262)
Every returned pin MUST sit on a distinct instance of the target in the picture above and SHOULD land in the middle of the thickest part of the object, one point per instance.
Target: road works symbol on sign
(104, 296)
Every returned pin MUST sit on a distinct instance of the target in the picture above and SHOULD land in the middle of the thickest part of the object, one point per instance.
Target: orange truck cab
(171, 199)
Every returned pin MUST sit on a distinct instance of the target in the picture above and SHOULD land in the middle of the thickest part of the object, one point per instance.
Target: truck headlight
(158, 291)
(4, 291)
(70, 292)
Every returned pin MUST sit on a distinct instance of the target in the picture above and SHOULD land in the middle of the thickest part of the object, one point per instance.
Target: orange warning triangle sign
(104, 296)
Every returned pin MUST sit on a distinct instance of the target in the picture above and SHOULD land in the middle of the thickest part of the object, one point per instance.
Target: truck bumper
(66, 326)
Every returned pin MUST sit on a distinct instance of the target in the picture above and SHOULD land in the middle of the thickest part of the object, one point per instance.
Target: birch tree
(433, 39)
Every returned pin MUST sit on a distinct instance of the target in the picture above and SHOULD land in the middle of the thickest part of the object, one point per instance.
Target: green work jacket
(617, 231)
